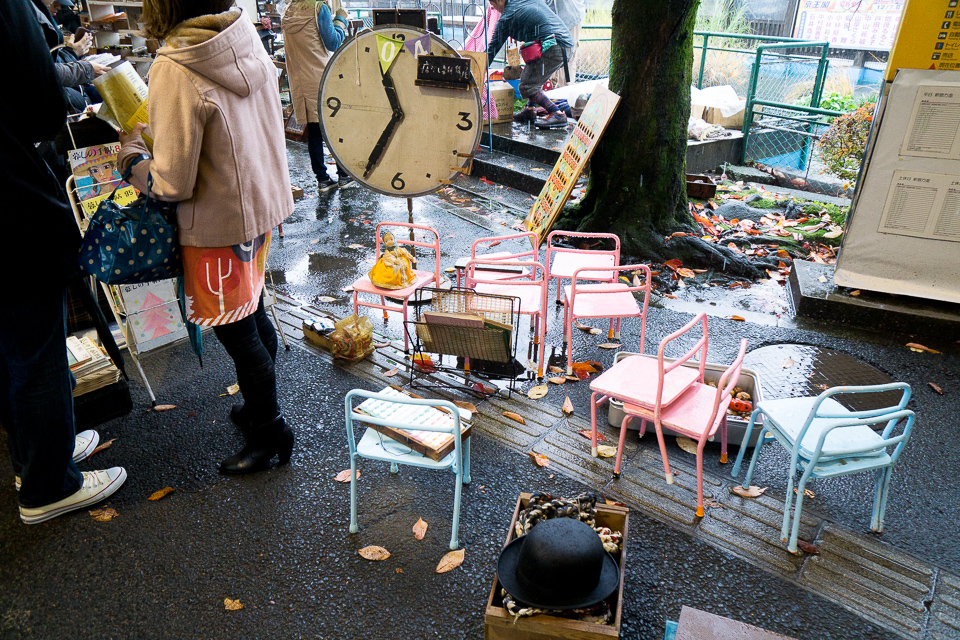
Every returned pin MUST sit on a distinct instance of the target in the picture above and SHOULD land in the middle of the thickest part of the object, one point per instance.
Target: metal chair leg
(353, 495)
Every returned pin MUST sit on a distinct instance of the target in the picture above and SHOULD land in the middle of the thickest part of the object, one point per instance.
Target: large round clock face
(395, 137)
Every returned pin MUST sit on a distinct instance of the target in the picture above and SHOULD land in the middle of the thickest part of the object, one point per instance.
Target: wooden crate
(499, 625)
(700, 186)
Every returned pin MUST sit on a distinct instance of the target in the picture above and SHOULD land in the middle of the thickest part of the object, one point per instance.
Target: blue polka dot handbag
(133, 243)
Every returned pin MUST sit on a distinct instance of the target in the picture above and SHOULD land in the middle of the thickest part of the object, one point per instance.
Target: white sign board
(903, 236)
(153, 314)
(850, 24)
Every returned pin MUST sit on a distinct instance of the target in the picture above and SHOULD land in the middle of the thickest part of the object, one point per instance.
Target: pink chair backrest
(428, 244)
(615, 252)
(664, 368)
(646, 286)
(725, 386)
(486, 242)
(527, 280)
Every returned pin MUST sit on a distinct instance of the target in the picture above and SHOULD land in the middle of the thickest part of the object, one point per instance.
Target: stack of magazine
(90, 365)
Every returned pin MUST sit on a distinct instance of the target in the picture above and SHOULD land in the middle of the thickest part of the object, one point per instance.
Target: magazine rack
(464, 333)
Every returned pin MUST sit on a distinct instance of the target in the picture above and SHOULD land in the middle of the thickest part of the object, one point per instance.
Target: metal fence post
(703, 60)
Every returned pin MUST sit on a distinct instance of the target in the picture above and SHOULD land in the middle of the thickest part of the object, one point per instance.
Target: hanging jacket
(216, 122)
(43, 238)
(526, 21)
(307, 48)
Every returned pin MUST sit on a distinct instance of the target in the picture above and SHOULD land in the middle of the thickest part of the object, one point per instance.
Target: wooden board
(580, 145)
(500, 625)
(443, 72)
(432, 444)
(700, 625)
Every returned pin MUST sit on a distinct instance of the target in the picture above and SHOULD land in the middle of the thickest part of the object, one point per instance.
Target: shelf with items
(117, 29)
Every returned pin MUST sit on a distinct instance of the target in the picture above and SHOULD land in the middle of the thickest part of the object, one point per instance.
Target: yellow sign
(928, 38)
(125, 195)
(387, 49)
(578, 149)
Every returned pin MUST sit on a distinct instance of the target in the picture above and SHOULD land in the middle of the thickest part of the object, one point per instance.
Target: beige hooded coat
(306, 56)
(217, 125)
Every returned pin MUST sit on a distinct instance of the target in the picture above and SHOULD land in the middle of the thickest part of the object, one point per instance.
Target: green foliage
(763, 203)
(840, 101)
(726, 16)
(841, 147)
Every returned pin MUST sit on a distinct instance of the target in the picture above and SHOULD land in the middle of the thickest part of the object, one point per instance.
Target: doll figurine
(393, 270)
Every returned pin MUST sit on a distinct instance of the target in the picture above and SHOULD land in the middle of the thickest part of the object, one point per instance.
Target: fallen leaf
(373, 552)
(833, 234)
(787, 363)
(398, 570)
(606, 451)
(450, 561)
(553, 369)
(557, 380)
(538, 391)
(807, 493)
(164, 407)
(419, 529)
(347, 289)
(936, 387)
(713, 504)
(233, 389)
(919, 348)
(161, 494)
(574, 378)
(806, 547)
(344, 476)
(855, 292)
(586, 433)
(356, 246)
(609, 345)
(232, 605)
(380, 345)
(516, 417)
(493, 244)
(614, 502)
(750, 492)
(686, 273)
(391, 373)
(469, 406)
(567, 406)
(587, 329)
(540, 459)
(326, 299)
(102, 446)
(586, 367)
(315, 241)
(105, 514)
(687, 445)
(737, 318)
(673, 264)
(484, 389)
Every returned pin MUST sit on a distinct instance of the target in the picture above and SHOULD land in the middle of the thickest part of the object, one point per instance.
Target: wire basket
(494, 344)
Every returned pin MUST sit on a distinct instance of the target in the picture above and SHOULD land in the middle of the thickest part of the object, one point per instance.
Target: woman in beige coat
(311, 31)
(219, 152)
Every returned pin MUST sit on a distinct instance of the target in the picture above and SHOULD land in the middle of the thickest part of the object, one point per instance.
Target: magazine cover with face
(96, 175)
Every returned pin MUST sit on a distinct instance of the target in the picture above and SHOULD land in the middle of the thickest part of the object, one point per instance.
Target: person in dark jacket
(36, 397)
(532, 21)
(65, 16)
(75, 75)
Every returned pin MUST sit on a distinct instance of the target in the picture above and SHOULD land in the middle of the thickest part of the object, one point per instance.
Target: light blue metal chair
(825, 440)
(399, 411)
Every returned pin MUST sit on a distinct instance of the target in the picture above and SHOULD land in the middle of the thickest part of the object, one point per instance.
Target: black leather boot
(263, 443)
(239, 417)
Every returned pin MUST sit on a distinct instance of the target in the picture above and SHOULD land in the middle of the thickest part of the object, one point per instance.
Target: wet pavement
(278, 541)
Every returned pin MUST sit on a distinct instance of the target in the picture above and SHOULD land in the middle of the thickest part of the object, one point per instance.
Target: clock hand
(395, 120)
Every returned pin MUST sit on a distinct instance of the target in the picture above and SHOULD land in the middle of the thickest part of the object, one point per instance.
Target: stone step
(515, 172)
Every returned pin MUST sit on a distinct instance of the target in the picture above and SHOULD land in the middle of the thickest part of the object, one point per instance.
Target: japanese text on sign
(850, 24)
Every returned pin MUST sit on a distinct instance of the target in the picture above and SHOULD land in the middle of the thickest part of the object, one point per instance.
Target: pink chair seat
(634, 380)
(529, 296)
(693, 407)
(566, 263)
(363, 285)
(603, 300)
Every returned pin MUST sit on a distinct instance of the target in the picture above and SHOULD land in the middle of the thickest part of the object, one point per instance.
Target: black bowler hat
(560, 564)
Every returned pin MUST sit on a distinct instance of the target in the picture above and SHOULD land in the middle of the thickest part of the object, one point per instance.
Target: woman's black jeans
(252, 343)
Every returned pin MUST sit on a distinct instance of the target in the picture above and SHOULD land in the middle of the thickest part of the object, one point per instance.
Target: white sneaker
(97, 486)
(84, 445)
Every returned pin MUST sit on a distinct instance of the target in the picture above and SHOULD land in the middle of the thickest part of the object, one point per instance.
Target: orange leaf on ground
(469, 406)
(540, 459)
(450, 561)
(673, 264)
(567, 407)
(373, 552)
(589, 436)
(737, 318)
(161, 493)
(749, 492)
(919, 347)
(419, 529)
(557, 380)
(516, 417)
(936, 387)
(106, 514)
(232, 605)
(686, 273)
(391, 373)
(102, 446)
(806, 547)
(344, 476)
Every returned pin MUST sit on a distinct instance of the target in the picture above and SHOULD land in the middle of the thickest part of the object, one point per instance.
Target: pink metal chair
(562, 262)
(531, 290)
(424, 278)
(697, 414)
(614, 300)
(485, 243)
(647, 382)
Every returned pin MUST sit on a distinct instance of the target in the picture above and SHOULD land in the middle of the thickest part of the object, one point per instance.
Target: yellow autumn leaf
(606, 451)
(344, 476)
(538, 392)
(749, 492)
(420, 529)
(373, 552)
(162, 493)
(450, 561)
(106, 514)
(232, 605)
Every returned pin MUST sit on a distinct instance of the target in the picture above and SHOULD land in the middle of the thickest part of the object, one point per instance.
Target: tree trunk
(637, 187)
